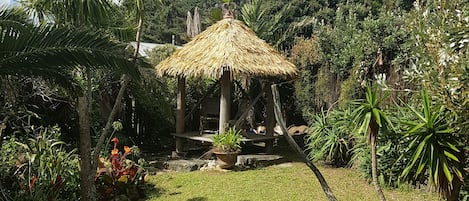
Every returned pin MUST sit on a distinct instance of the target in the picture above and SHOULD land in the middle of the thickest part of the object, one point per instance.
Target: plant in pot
(226, 146)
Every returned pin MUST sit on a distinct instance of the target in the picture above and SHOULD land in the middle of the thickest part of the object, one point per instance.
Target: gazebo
(226, 50)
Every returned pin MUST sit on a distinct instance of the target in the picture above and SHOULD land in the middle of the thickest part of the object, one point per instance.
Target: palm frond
(53, 53)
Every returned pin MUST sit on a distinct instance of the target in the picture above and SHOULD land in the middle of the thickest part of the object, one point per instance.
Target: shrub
(120, 177)
(229, 141)
(39, 169)
(330, 138)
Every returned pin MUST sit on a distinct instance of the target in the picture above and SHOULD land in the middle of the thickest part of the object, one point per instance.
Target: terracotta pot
(226, 160)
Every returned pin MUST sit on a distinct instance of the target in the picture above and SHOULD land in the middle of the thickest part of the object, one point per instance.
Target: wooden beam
(225, 101)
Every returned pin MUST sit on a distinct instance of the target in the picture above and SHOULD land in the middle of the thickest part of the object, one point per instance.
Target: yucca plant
(370, 118)
(434, 148)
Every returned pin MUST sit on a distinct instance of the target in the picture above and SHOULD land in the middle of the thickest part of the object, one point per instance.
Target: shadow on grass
(152, 191)
(198, 199)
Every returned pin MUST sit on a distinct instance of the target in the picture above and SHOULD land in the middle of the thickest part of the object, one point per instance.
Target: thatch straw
(228, 44)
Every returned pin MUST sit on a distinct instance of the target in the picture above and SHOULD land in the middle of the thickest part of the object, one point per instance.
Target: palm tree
(370, 118)
(435, 149)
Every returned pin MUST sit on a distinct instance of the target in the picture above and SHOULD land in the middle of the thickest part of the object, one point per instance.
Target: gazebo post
(180, 112)
(270, 118)
(225, 101)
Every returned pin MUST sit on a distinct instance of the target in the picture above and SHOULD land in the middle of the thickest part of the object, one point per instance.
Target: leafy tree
(167, 18)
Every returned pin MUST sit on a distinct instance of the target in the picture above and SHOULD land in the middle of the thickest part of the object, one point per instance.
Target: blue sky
(7, 2)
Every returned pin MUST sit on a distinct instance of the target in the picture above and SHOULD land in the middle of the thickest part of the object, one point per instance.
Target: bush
(330, 138)
(119, 177)
(39, 169)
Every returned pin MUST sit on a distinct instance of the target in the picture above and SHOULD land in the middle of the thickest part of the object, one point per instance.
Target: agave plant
(435, 149)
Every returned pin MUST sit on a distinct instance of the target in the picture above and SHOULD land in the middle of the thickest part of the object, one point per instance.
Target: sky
(7, 2)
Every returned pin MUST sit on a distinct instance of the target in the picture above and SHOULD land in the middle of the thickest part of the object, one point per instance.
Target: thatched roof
(228, 43)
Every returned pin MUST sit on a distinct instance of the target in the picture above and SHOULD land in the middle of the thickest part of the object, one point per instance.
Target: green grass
(295, 183)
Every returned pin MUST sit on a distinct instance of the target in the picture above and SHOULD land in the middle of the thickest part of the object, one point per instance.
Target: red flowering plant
(119, 176)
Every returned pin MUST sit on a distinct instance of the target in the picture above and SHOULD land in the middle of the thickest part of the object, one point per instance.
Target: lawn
(288, 181)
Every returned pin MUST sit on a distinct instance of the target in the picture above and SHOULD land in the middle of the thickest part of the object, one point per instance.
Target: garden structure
(225, 51)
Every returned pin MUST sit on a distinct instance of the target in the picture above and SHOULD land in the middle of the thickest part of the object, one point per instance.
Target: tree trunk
(454, 193)
(374, 161)
(86, 171)
(278, 115)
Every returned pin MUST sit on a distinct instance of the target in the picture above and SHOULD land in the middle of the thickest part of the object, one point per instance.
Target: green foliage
(54, 53)
(368, 114)
(39, 169)
(438, 56)
(276, 24)
(164, 18)
(119, 177)
(435, 149)
(229, 141)
(360, 43)
(75, 13)
(390, 151)
(330, 137)
(160, 53)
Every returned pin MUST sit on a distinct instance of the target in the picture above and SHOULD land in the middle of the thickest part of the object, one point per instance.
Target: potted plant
(226, 146)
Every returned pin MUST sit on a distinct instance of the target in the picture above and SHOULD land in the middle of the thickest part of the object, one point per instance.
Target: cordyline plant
(119, 176)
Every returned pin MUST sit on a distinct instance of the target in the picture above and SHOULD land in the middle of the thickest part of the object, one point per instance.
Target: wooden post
(270, 118)
(225, 101)
(180, 112)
